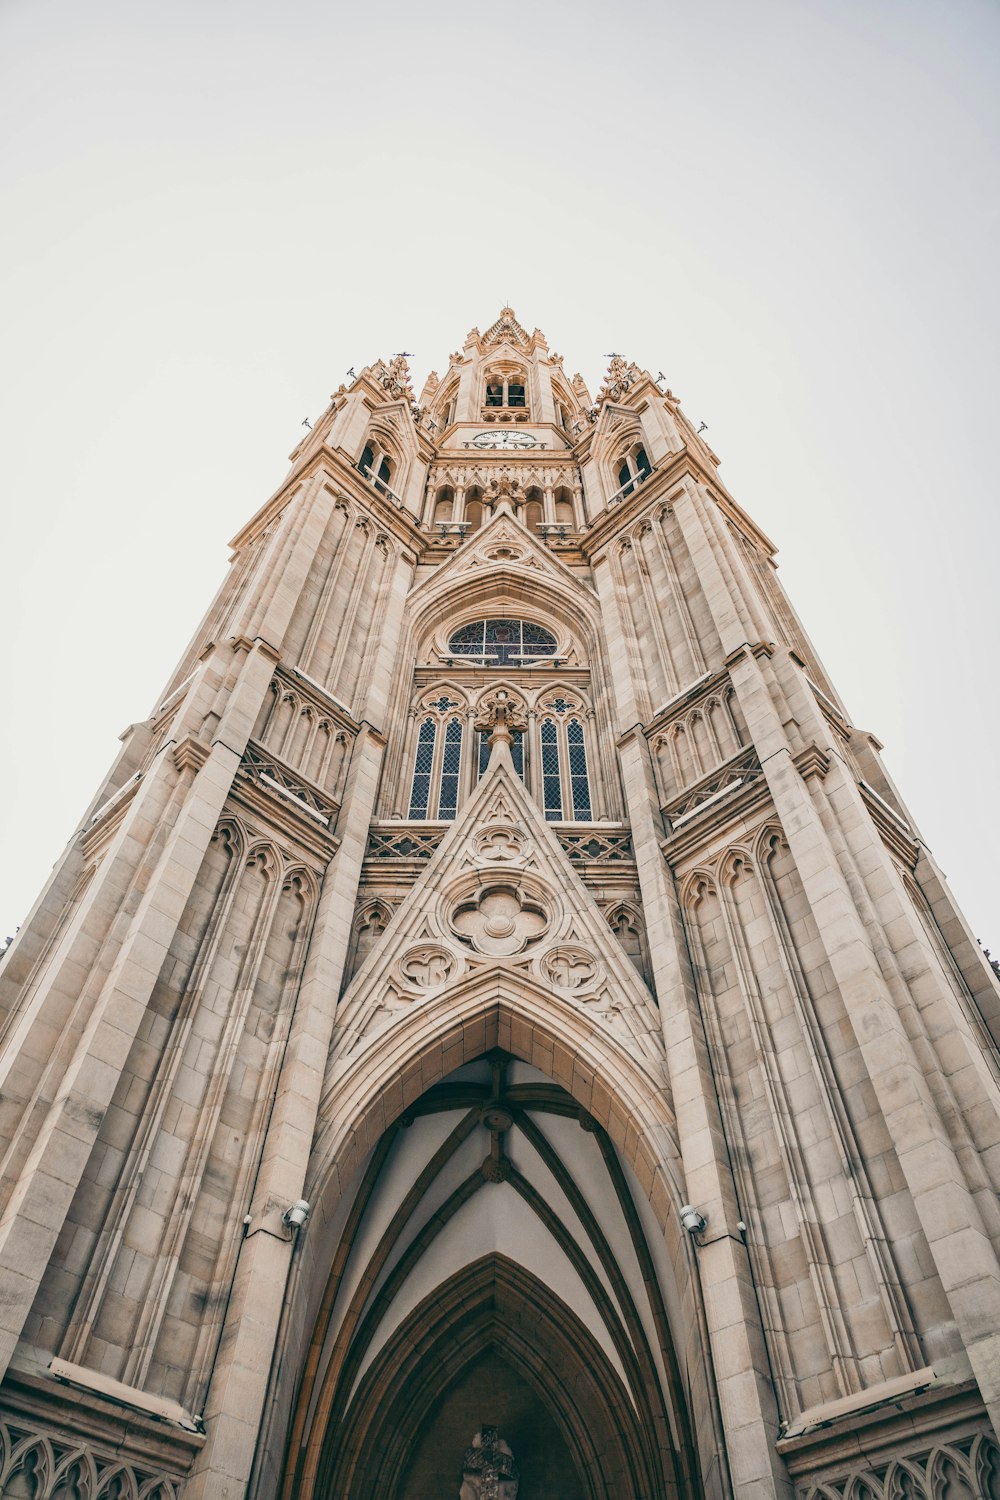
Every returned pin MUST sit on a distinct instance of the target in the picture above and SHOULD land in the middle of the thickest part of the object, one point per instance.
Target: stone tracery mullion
(838, 1337)
(627, 618)
(330, 583)
(678, 595)
(758, 1250)
(348, 618)
(383, 590)
(77, 1338)
(871, 1230)
(196, 1157)
(663, 651)
(225, 1266)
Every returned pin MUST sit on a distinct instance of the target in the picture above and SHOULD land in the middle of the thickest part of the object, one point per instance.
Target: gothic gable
(500, 897)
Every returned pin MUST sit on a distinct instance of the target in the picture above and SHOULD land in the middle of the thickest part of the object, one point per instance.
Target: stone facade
(501, 876)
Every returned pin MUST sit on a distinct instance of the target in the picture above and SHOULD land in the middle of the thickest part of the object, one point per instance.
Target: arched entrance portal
(494, 1263)
(494, 1344)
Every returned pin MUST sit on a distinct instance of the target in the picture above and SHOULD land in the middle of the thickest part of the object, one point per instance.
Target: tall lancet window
(423, 765)
(437, 767)
(551, 779)
(451, 765)
(565, 772)
(579, 781)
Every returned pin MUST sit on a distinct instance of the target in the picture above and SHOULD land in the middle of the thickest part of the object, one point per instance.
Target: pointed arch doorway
(496, 1265)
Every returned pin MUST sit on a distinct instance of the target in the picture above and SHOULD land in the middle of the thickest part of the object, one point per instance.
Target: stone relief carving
(427, 966)
(488, 1468)
(49, 1468)
(499, 921)
(501, 843)
(965, 1470)
(501, 714)
(571, 968)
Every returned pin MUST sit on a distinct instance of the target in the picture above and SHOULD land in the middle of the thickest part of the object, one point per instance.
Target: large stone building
(501, 874)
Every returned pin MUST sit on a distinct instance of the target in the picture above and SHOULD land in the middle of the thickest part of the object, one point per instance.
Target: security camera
(296, 1215)
(693, 1221)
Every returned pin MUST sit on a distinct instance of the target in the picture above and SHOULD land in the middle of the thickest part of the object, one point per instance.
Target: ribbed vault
(494, 1222)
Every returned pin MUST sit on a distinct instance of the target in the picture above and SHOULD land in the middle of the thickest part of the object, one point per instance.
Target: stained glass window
(551, 783)
(516, 753)
(451, 765)
(502, 643)
(421, 789)
(578, 778)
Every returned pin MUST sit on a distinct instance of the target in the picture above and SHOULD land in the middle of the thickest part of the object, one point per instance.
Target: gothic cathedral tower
(497, 1030)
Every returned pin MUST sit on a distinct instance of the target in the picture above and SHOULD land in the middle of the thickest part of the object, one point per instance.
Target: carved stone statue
(488, 1469)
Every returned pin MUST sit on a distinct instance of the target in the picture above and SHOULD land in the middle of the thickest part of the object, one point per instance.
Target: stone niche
(491, 1391)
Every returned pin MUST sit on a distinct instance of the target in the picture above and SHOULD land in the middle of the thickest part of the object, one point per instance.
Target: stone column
(242, 1374)
(737, 1351)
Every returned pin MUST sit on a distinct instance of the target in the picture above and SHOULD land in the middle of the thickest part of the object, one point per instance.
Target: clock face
(503, 440)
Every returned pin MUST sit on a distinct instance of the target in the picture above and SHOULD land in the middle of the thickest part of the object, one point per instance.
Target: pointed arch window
(635, 468)
(551, 778)
(565, 776)
(506, 390)
(376, 465)
(420, 790)
(579, 779)
(437, 768)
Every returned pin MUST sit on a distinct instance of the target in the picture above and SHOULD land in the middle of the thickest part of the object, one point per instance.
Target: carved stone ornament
(501, 710)
(488, 1468)
(500, 843)
(499, 921)
(505, 486)
(571, 968)
(427, 966)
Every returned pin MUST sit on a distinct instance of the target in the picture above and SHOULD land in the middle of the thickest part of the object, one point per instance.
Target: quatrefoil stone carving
(499, 842)
(499, 921)
(570, 968)
(427, 967)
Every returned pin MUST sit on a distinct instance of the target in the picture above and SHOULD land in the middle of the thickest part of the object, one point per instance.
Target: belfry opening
(497, 1031)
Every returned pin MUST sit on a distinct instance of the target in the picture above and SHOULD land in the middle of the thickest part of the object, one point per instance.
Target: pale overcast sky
(213, 209)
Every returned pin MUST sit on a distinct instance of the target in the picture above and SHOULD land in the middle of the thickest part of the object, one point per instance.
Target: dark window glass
(551, 787)
(515, 395)
(642, 463)
(624, 475)
(502, 642)
(384, 471)
(494, 394)
(578, 778)
(421, 789)
(516, 753)
(451, 764)
(366, 460)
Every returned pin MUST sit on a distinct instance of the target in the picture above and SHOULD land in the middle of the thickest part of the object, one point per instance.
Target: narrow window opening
(579, 779)
(551, 781)
(420, 790)
(451, 765)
